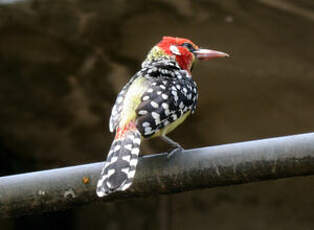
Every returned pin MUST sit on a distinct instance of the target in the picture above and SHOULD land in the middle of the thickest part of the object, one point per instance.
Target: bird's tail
(119, 169)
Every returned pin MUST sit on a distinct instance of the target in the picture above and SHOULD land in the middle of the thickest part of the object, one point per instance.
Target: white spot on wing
(154, 104)
(164, 96)
(142, 112)
(148, 130)
(145, 124)
(165, 105)
(156, 116)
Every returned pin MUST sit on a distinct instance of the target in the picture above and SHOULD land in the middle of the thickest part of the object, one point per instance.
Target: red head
(184, 51)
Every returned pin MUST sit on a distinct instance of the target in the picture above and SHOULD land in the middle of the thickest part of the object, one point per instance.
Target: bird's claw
(177, 149)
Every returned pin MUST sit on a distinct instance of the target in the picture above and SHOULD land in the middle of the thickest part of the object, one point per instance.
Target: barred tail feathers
(120, 166)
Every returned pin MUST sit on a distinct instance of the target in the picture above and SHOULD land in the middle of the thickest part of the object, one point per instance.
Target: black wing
(166, 99)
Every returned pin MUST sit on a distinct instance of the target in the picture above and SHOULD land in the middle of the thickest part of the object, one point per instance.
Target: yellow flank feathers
(132, 100)
(171, 126)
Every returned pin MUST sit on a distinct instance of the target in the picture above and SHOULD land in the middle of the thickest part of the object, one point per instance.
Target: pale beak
(205, 54)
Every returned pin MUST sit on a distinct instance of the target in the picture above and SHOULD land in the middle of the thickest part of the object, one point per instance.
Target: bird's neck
(158, 55)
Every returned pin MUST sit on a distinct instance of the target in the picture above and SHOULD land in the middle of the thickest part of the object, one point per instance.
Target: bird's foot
(178, 147)
(173, 151)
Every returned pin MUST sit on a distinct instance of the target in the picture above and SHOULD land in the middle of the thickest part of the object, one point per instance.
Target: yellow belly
(171, 126)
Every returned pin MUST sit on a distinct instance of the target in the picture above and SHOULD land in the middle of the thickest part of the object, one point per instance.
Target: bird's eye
(189, 46)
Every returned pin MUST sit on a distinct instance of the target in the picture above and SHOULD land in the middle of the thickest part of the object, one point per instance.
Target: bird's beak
(205, 54)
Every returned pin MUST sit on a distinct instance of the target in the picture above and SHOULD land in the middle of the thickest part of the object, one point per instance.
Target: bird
(158, 98)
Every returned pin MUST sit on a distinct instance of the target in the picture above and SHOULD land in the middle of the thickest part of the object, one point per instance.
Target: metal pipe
(207, 167)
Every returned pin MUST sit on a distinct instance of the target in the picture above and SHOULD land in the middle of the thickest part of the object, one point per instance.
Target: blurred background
(63, 62)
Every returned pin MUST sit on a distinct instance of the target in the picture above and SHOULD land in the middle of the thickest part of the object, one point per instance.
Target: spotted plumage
(120, 165)
(155, 101)
(174, 93)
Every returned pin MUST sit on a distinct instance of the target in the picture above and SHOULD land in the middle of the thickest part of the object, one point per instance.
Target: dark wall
(63, 62)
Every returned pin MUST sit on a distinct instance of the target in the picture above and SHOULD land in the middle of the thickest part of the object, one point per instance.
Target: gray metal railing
(207, 167)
